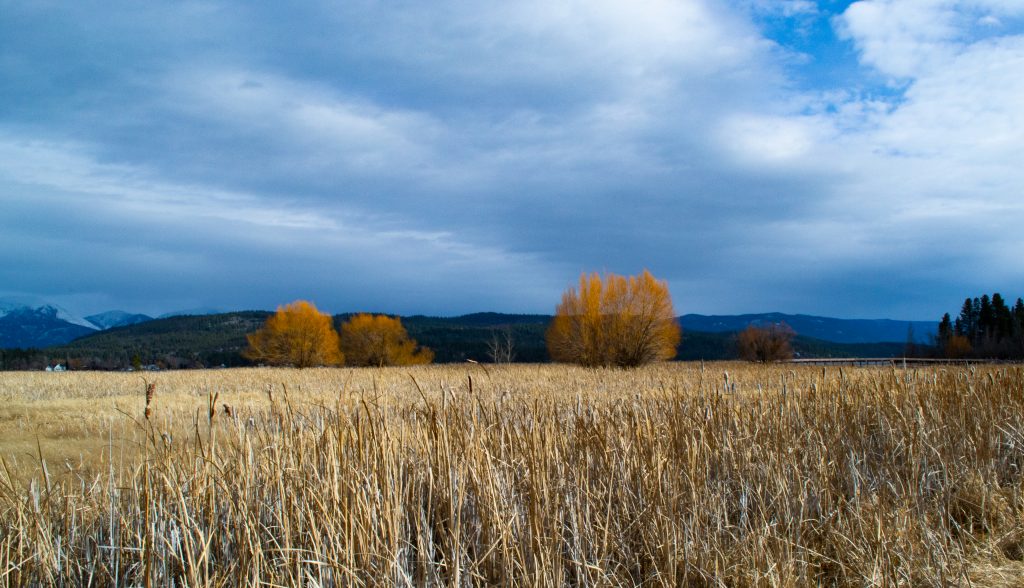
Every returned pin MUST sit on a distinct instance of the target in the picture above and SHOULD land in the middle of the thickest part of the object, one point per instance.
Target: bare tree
(502, 346)
(766, 344)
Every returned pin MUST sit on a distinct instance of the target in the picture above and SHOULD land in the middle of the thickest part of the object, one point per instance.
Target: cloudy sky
(860, 159)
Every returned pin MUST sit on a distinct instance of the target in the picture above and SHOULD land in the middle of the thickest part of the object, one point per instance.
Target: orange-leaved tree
(614, 321)
(379, 340)
(298, 335)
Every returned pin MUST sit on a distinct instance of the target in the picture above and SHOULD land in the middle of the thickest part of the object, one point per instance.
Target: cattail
(213, 404)
(150, 394)
(227, 411)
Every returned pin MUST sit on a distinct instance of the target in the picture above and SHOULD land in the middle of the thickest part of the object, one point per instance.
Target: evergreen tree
(975, 320)
(969, 319)
(1003, 318)
(986, 320)
(945, 332)
(988, 326)
(1018, 327)
(1018, 316)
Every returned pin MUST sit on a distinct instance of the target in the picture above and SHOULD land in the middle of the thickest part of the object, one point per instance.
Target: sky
(851, 159)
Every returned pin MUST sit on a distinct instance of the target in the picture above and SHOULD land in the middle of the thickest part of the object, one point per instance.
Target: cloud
(84, 215)
(772, 141)
(953, 131)
(450, 157)
(906, 38)
(931, 169)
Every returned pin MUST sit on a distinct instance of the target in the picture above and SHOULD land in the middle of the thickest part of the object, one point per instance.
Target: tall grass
(530, 475)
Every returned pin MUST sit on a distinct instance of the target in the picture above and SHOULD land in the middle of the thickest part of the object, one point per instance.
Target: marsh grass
(672, 475)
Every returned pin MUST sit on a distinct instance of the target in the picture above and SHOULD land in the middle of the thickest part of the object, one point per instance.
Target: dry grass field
(670, 475)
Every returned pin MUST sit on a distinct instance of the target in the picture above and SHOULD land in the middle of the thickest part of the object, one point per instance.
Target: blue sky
(848, 159)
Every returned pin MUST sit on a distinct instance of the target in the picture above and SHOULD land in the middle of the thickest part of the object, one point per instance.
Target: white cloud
(937, 170)
(906, 38)
(956, 130)
(901, 38)
(773, 140)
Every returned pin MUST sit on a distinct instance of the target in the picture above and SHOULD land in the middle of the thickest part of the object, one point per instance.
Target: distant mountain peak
(116, 318)
(38, 324)
(14, 304)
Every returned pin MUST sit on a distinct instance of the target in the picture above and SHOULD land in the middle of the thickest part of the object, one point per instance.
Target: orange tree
(379, 340)
(614, 321)
(297, 335)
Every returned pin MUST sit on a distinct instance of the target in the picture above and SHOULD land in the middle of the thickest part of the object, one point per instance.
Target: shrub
(614, 321)
(298, 335)
(379, 340)
(766, 344)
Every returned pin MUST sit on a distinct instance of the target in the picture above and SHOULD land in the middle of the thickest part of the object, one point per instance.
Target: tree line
(987, 327)
(603, 321)
(610, 321)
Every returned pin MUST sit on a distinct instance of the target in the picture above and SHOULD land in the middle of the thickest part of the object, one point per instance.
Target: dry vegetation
(525, 475)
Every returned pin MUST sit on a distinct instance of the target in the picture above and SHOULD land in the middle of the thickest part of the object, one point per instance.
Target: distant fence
(893, 361)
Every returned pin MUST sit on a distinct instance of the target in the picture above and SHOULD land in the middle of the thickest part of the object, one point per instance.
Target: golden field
(669, 475)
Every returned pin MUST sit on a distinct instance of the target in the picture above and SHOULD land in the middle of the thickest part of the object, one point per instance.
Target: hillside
(178, 341)
(818, 327)
(219, 339)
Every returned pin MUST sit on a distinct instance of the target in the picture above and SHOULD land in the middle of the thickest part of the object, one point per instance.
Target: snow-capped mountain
(38, 324)
(116, 318)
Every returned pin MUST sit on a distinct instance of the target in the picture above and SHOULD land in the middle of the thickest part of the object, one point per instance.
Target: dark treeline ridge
(183, 342)
(985, 328)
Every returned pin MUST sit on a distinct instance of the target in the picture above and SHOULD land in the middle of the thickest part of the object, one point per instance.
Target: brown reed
(671, 475)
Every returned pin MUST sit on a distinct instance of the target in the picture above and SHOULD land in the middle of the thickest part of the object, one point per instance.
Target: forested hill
(177, 341)
(219, 339)
(819, 327)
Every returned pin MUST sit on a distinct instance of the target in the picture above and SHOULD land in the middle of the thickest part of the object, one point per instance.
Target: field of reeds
(670, 475)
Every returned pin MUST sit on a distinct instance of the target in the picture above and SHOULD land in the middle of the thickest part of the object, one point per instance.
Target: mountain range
(29, 323)
(39, 326)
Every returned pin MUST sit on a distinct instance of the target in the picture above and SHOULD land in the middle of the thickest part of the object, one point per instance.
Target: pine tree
(1018, 327)
(1018, 316)
(1003, 318)
(945, 332)
(986, 321)
(986, 327)
(966, 320)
